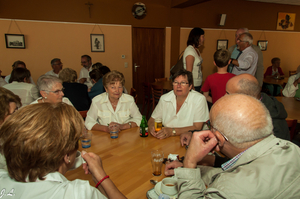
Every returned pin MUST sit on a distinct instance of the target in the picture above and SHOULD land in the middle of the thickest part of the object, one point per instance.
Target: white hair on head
(244, 29)
(240, 130)
(248, 37)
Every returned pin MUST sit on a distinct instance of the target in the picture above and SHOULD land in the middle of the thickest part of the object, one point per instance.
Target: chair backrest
(292, 72)
(157, 92)
(83, 113)
(161, 79)
(292, 127)
(133, 93)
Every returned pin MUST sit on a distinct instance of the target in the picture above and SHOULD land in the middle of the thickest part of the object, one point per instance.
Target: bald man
(248, 84)
(259, 74)
(260, 165)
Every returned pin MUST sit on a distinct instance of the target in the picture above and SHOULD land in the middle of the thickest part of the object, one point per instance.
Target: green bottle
(144, 127)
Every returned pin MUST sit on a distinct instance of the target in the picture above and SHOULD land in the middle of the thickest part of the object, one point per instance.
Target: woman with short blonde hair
(113, 107)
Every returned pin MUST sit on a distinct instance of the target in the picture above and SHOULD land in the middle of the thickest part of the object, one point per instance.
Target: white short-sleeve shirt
(194, 109)
(26, 91)
(54, 186)
(197, 73)
(101, 111)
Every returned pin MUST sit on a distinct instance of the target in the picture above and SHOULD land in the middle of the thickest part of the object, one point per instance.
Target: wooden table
(271, 80)
(166, 85)
(127, 160)
(292, 107)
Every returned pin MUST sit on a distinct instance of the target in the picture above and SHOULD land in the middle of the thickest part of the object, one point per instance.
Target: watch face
(139, 10)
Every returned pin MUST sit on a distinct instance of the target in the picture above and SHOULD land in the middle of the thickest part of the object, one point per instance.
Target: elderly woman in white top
(192, 59)
(113, 107)
(180, 110)
(51, 90)
(20, 85)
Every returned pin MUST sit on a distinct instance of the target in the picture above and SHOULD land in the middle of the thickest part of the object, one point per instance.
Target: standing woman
(192, 59)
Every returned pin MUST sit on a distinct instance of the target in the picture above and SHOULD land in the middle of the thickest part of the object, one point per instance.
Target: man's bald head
(244, 84)
(242, 119)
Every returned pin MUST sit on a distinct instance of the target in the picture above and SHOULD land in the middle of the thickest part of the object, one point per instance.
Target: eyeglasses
(57, 91)
(210, 126)
(180, 83)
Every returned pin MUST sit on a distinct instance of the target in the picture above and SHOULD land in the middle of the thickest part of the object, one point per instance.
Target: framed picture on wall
(97, 42)
(286, 21)
(262, 44)
(222, 44)
(15, 41)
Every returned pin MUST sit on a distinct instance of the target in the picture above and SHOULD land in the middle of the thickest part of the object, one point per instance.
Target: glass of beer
(157, 158)
(158, 124)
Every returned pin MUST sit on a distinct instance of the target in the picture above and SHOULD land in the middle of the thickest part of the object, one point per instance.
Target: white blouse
(101, 111)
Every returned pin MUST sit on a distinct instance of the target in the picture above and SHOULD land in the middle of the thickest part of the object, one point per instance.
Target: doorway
(148, 57)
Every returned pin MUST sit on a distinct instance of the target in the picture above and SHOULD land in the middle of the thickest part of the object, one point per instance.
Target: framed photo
(222, 44)
(262, 44)
(97, 42)
(15, 41)
(286, 21)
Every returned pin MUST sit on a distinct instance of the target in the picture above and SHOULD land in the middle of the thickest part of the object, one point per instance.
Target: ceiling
(290, 2)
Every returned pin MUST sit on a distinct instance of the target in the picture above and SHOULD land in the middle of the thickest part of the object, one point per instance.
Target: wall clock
(139, 10)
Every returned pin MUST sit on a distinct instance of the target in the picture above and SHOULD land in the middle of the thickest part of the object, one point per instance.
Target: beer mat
(180, 160)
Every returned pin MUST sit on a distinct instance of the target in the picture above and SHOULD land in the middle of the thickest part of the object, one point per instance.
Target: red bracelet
(101, 181)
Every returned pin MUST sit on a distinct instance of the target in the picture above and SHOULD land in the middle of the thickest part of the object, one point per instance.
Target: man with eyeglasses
(84, 77)
(259, 74)
(247, 61)
(260, 165)
(56, 66)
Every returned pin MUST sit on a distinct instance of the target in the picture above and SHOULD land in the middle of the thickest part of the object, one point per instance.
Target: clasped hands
(201, 143)
(165, 132)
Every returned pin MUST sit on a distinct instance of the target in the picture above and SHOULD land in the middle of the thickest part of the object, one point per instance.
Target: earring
(45, 97)
(69, 160)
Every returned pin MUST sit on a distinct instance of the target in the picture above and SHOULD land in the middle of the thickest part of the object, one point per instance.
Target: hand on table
(201, 144)
(165, 132)
(185, 138)
(169, 168)
(114, 125)
(93, 165)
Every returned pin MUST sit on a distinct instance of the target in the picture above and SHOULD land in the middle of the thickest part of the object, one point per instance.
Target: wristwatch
(174, 132)
(129, 124)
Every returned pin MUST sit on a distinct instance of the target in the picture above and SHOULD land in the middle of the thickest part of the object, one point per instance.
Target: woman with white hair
(51, 90)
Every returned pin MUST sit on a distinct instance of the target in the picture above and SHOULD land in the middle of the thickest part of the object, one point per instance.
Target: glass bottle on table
(144, 127)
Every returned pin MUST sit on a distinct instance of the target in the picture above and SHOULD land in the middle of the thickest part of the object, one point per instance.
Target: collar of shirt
(227, 165)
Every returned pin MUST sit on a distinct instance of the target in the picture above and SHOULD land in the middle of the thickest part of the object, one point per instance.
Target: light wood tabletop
(292, 107)
(271, 80)
(127, 160)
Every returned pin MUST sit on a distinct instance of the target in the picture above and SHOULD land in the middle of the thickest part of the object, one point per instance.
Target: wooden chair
(133, 94)
(292, 72)
(292, 127)
(161, 79)
(147, 97)
(83, 113)
(157, 92)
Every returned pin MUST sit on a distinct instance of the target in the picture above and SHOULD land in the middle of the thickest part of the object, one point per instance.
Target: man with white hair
(259, 74)
(291, 89)
(247, 61)
(260, 165)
